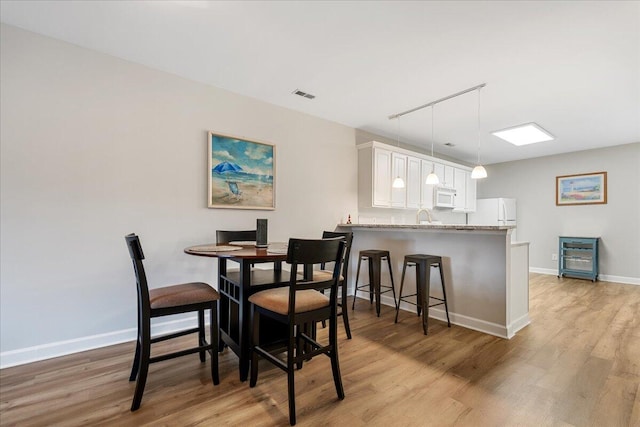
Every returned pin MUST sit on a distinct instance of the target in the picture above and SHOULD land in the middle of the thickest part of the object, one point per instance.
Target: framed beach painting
(241, 173)
(582, 189)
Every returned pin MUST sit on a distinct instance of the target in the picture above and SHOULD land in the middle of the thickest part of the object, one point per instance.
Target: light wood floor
(577, 364)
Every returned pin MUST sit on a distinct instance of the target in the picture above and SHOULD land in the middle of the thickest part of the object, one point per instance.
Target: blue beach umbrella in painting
(227, 167)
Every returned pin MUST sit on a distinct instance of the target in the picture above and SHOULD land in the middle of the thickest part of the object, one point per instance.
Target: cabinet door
(445, 175)
(398, 169)
(413, 182)
(426, 199)
(438, 169)
(382, 177)
(471, 194)
(449, 176)
(460, 184)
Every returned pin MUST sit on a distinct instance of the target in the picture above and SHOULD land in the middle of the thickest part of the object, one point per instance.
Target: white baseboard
(517, 324)
(603, 277)
(456, 319)
(62, 348)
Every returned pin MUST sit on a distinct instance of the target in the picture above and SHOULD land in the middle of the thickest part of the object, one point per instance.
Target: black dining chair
(224, 237)
(175, 299)
(298, 305)
(343, 283)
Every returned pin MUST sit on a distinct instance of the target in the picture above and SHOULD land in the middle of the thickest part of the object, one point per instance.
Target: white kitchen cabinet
(460, 184)
(379, 164)
(426, 199)
(414, 185)
(398, 169)
(445, 174)
(471, 194)
(465, 199)
(382, 177)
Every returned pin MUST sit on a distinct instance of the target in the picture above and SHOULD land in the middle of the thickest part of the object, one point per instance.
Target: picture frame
(581, 189)
(241, 173)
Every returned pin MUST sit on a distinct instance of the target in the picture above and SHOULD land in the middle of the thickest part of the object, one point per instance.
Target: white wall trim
(517, 324)
(603, 277)
(456, 319)
(62, 348)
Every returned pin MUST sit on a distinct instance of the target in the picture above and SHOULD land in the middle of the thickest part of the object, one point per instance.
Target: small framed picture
(241, 173)
(582, 189)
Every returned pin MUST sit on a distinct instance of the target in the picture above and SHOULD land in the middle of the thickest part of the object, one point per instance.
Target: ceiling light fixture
(528, 133)
(398, 182)
(432, 178)
(479, 171)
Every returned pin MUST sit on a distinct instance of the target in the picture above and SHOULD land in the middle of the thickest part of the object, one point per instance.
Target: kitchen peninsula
(486, 274)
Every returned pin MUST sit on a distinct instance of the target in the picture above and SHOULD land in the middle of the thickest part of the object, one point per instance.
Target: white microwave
(444, 197)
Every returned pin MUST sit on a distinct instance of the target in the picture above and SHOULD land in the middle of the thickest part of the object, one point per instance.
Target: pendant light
(398, 182)
(479, 171)
(432, 178)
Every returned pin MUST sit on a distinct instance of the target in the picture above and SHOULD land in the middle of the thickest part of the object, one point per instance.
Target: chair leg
(201, 336)
(145, 354)
(404, 270)
(255, 341)
(290, 374)
(136, 361)
(335, 364)
(444, 293)
(343, 310)
(299, 346)
(213, 332)
(393, 285)
(355, 290)
(374, 281)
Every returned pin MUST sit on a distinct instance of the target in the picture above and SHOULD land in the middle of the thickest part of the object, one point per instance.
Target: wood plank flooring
(577, 364)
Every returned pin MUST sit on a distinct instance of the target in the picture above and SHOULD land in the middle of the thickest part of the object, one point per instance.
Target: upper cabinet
(380, 164)
(426, 194)
(413, 183)
(398, 170)
(382, 178)
(445, 174)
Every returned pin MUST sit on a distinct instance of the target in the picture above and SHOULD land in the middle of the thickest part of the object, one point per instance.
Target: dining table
(236, 285)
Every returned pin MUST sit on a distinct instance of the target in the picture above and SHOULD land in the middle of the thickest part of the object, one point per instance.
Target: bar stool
(423, 264)
(375, 257)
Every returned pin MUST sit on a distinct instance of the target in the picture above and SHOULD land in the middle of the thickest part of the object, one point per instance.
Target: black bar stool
(375, 257)
(423, 264)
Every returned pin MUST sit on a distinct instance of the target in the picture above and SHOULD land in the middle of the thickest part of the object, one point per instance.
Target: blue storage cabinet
(578, 257)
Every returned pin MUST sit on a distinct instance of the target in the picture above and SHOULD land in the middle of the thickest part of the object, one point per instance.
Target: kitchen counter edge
(463, 227)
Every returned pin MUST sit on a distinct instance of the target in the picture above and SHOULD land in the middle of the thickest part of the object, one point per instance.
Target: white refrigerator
(497, 211)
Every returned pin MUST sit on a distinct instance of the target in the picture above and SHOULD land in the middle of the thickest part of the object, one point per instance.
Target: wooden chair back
(225, 236)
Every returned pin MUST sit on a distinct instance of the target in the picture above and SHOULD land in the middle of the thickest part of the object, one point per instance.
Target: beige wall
(540, 221)
(93, 148)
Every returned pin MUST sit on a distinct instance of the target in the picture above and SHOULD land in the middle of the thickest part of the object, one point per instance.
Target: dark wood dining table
(235, 287)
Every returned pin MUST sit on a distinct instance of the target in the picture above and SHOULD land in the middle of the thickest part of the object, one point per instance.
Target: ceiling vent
(303, 94)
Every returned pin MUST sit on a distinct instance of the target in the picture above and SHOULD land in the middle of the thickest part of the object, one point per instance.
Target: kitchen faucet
(420, 211)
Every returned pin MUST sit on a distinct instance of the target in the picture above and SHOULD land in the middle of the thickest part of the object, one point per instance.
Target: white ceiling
(573, 67)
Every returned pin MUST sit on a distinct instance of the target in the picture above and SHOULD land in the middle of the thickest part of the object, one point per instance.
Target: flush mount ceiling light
(528, 133)
(479, 171)
(398, 182)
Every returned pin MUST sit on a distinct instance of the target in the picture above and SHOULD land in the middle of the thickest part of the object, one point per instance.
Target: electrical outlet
(554, 257)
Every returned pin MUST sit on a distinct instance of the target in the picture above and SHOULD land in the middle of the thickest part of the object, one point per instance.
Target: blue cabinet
(578, 257)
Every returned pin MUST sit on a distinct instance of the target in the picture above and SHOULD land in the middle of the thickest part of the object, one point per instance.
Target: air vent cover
(303, 94)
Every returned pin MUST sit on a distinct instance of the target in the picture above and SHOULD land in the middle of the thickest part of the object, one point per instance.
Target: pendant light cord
(479, 125)
(432, 108)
